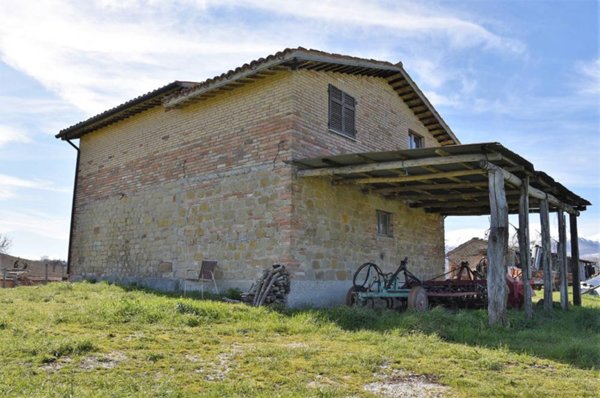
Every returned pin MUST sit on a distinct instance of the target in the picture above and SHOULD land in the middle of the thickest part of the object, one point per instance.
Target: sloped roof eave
(179, 93)
(122, 111)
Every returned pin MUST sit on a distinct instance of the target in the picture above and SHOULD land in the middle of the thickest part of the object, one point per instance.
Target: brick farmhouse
(209, 171)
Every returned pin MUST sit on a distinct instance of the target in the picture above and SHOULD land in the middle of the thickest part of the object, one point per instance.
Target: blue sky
(523, 73)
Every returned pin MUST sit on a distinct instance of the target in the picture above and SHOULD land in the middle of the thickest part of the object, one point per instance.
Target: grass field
(99, 340)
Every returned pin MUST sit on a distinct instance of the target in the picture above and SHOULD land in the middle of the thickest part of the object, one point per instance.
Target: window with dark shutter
(414, 140)
(342, 112)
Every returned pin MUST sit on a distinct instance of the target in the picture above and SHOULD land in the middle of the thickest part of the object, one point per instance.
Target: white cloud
(458, 236)
(21, 220)
(404, 18)
(587, 80)
(9, 186)
(95, 55)
(90, 58)
(10, 134)
(439, 100)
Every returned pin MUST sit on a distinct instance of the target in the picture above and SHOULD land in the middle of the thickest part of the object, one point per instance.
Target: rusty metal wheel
(351, 296)
(389, 303)
(417, 299)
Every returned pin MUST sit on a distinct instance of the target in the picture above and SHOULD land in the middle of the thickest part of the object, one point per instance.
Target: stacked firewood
(272, 287)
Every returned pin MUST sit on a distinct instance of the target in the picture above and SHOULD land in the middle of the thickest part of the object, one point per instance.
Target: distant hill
(588, 249)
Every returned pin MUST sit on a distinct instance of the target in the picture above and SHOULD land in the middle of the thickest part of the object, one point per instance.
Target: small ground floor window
(384, 223)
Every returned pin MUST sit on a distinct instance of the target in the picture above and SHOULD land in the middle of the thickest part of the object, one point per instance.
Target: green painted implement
(373, 288)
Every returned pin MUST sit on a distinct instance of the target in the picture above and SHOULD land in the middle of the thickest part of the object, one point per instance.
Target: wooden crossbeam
(463, 211)
(464, 195)
(432, 187)
(395, 165)
(455, 203)
(422, 177)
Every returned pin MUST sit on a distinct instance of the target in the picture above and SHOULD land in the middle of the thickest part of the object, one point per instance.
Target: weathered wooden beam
(575, 259)
(562, 260)
(524, 254)
(455, 203)
(447, 142)
(408, 178)
(497, 251)
(458, 195)
(432, 187)
(546, 247)
(471, 211)
(422, 113)
(393, 165)
(536, 193)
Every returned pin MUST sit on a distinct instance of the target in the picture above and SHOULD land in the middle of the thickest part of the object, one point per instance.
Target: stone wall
(238, 218)
(163, 190)
(336, 232)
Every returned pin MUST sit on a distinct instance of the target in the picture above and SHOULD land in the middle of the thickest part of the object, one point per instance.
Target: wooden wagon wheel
(417, 299)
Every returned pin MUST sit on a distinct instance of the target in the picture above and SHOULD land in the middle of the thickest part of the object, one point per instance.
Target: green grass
(98, 340)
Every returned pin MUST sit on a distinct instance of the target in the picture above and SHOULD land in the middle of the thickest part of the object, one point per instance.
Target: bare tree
(5, 243)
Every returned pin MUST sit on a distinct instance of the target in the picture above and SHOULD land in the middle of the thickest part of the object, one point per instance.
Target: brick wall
(163, 190)
(382, 118)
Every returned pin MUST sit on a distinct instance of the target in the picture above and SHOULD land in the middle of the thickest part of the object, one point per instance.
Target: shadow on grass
(192, 294)
(571, 337)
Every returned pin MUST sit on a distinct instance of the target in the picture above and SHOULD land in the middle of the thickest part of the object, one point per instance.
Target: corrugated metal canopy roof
(447, 180)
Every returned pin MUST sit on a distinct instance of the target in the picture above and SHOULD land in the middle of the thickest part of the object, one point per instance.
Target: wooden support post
(524, 254)
(546, 247)
(562, 260)
(497, 250)
(575, 260)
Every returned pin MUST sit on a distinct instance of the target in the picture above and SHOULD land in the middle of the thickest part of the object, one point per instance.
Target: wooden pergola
(473, 179)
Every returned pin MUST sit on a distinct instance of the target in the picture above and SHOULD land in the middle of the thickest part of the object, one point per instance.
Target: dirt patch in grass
(56, 365)
(297, 345)
(397, 383)
(218, 370)
(107, 361)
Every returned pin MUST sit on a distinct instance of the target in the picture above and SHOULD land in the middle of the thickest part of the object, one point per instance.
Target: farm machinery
(373, 288)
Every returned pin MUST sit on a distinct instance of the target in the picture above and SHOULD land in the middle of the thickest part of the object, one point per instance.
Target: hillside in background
(588, 249)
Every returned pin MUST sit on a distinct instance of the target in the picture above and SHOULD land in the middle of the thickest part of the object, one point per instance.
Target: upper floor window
(414, 140)
(342, 112)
